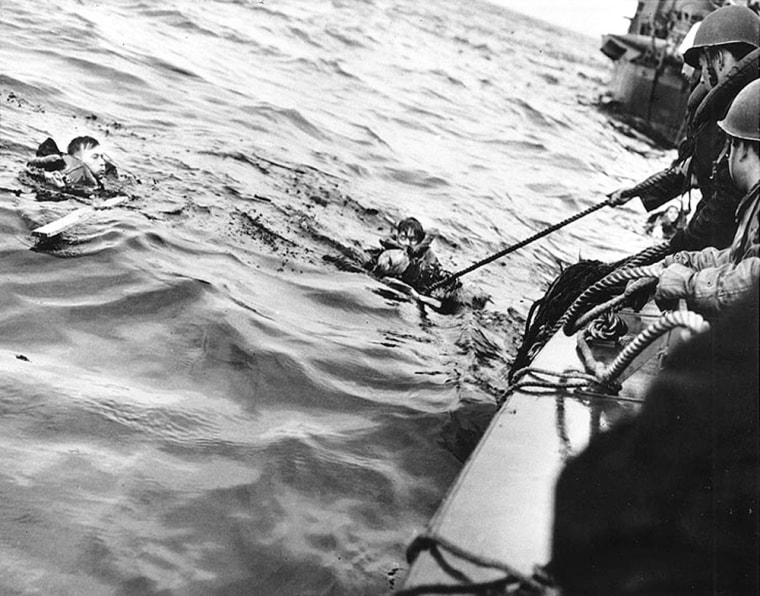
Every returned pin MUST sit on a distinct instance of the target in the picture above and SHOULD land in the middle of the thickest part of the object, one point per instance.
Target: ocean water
(193, 399)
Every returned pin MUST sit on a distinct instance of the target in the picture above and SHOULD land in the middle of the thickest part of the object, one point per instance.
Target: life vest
(73, 172)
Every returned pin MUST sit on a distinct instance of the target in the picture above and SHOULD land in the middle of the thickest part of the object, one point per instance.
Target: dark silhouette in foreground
(667, 503)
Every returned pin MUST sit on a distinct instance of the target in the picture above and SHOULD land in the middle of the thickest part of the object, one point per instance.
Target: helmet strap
(712, 74)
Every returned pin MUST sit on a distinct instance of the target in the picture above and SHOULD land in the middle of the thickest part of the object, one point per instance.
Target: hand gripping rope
(569, 321)
(645, 257)
(599, 376)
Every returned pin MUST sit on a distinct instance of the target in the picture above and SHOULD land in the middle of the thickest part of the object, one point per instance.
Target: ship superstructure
(648, 84)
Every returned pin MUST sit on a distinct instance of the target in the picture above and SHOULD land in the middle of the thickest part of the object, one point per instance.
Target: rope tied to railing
(434, 544)
(540, 379)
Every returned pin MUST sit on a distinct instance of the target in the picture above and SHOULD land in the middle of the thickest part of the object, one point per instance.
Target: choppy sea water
(192, 399)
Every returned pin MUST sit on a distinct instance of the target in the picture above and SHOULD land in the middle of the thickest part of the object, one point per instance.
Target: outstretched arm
(656, 190)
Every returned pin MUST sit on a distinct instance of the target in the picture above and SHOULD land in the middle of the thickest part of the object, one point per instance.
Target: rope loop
(607, 375)
(434, 544)
(671, 320)
(543, 379)
(568, 321)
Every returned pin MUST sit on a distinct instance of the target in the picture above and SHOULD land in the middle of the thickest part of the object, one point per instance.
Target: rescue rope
(606, 375)
(601, 376)
(647, 256)
(568, 320)
(668, 183)
(543, 320)
(615, 303)
(546, 231)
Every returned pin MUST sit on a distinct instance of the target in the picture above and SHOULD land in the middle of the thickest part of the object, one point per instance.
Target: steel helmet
(743, 118)
(730, 24)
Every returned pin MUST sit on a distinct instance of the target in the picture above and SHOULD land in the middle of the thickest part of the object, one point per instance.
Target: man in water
(712, 279)
(408, 255)
(83, 165)
(663, 225)
(725, 37)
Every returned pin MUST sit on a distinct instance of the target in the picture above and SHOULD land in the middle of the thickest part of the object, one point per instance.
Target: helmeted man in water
(83, 165)
(712, 279)
(725, 39)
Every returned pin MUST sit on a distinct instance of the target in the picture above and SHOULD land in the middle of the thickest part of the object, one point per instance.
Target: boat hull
(501, 506)
(653, 95)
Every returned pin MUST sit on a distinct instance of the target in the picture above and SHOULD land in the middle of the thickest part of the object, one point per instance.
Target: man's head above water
(89, 152)
(409, 232)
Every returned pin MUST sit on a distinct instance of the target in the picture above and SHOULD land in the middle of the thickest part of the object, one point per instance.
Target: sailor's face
(409, 232)
(704, 65)
(722, 63)
(407, 237)
(725, 65)
(93, 158)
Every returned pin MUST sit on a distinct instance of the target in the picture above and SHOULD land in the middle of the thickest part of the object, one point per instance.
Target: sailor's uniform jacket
(713, 278)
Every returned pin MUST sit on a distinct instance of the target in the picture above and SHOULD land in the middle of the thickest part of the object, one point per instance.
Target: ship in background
(649, 89)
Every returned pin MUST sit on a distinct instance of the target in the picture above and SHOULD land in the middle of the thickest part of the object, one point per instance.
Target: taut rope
(514, 247)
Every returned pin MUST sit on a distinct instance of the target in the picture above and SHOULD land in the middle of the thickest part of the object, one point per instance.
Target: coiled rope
(646, 257)
(545, 317)
(606, 375)
(546, 231)
(615, 303)
(531, 378)
(568, 321)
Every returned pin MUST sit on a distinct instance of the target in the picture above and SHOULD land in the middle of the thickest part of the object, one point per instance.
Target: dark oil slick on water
(193, 399)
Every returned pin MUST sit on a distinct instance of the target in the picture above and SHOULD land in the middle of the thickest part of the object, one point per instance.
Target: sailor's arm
(714, 222)
(47, 163)
(699, 259)
(656, 190)
(710, 290)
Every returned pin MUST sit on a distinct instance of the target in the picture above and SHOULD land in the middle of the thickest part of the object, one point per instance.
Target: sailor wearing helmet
(726, 49)
(713, 279)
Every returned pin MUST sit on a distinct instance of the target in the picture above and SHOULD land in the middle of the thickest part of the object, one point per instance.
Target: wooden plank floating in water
(404, 288)
(75, 217)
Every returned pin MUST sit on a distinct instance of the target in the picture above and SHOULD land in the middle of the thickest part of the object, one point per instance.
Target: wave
(194, 397)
